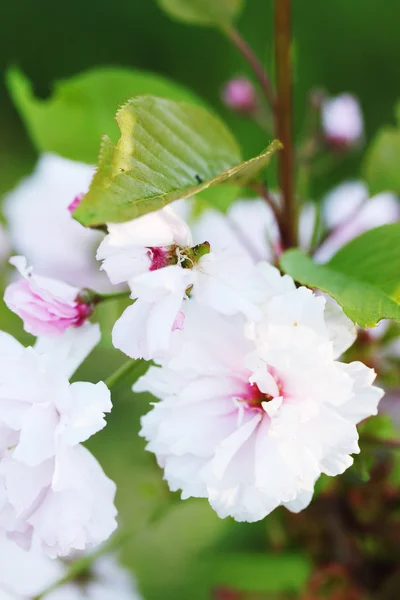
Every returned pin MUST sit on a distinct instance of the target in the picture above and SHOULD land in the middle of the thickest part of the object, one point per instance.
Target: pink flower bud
(75, 203)
(240, 95)
(342, 121)
(47, 307)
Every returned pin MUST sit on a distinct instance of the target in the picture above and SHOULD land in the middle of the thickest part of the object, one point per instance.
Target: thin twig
(254, 63)
(259, 188)
(128, 367)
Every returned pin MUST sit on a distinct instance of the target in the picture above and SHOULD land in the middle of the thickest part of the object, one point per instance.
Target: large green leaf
(381, 165)
(364, 276)
(203, 12)
(259, 573)
(167, 150)
(81, 110)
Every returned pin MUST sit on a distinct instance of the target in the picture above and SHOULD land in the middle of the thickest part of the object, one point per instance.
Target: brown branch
(284, 118)
(255, 64)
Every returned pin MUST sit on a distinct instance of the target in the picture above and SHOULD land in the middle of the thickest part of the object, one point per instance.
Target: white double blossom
(251, 421)
(52, 490)
(25, 574)
(41, 227)
(155, 256)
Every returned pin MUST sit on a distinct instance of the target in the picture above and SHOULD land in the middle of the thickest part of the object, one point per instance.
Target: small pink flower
(47, 307)
(239, 94)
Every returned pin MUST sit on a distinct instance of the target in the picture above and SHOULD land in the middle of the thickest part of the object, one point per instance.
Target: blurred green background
(339, 45)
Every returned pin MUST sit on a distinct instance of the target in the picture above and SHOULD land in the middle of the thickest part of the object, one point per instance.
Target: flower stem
(115, 296)
(256, 66)
(83, 564)
(120, 538)
(284, 118)
(128, 367)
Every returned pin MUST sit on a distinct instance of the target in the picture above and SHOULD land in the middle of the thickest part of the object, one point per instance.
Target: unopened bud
(240, 95)
(342, 121)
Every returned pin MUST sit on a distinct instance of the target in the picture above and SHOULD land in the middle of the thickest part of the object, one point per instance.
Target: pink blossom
(240, 95)
(342, 121)
(46, 306)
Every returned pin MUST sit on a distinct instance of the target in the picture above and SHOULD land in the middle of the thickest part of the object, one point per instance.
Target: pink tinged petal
(26, 485)
(79, 513)
(272, 406)
(228, 284)
(366, 397)
(36, 442)
(265, 381)
(85, 413)
(179, 322)
(272, 474)
(181, 473)
(47, 307)
(66, 353)
(226, 450)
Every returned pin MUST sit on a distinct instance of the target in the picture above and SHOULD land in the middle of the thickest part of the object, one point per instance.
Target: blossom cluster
(254, 404)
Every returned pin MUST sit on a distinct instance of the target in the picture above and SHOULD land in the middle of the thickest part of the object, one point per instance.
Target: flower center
(254, 398)
(187, 257)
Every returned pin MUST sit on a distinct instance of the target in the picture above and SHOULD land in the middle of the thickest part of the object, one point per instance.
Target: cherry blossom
(155, 255)
(251, 421)
(52, 490)
(348, 211)
(41, 226)
(46, 306)
(342, 121)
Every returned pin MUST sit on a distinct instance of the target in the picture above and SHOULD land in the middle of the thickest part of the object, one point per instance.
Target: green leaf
(202, 12)
(381, 165)
(364, 276)
(167, 150)
(259, 573)
(72, 121)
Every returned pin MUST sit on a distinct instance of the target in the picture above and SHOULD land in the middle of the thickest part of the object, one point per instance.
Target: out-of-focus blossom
(155, 255)
(249, 227)
(42, 228)
(25, 574)
(251, 422)
(53, 492)
(46, 306)
(348, 211)
(342, 121)
(240, 95)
